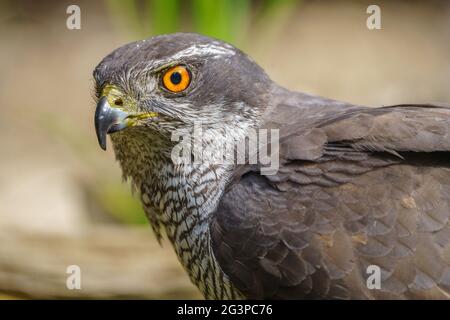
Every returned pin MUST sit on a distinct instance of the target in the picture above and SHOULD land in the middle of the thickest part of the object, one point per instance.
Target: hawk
(357, 188)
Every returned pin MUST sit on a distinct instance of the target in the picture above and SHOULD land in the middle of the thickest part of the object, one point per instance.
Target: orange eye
(176, 79)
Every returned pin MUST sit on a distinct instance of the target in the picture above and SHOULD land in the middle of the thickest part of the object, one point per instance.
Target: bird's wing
(360, 187)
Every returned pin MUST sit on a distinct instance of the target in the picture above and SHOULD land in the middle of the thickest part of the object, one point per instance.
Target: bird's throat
(183, 203)
(181, 200)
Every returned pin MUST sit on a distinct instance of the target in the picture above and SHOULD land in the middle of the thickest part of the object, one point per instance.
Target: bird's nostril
(118, 102)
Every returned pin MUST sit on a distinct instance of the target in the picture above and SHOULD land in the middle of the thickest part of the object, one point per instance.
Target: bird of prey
(358, 189)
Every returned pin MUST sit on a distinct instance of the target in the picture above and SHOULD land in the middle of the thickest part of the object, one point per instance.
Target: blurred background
(62, 199)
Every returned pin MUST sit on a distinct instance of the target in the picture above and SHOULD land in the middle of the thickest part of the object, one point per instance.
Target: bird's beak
(108, 120)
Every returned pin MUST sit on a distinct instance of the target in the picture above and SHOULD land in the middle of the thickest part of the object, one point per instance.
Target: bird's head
(152, 87)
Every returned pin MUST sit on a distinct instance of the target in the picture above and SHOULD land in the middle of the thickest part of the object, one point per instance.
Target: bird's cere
(108, 120)
(113, 119)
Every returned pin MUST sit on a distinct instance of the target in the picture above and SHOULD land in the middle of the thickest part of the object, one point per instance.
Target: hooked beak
(108, 120)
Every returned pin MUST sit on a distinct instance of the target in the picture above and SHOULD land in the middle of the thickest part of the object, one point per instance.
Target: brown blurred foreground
(33, 266)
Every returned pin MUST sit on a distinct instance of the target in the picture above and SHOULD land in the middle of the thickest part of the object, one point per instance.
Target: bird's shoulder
(309, 123)
(348, 194)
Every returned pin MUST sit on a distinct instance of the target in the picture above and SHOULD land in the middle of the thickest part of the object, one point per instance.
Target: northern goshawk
(356, 187)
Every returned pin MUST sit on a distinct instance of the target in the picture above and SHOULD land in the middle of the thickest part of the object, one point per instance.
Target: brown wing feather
(350, 193)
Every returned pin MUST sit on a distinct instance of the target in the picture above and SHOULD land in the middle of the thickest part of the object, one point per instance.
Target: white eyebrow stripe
(198, 49)
(203, 49)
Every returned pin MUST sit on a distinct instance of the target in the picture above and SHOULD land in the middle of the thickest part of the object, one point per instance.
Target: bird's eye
(176, 79)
